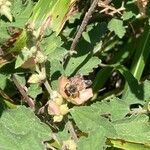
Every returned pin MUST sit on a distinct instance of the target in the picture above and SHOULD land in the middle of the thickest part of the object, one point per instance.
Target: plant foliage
(74, 74)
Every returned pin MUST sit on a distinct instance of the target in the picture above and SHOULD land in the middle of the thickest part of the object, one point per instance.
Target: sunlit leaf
(116, 25)
(21, 129)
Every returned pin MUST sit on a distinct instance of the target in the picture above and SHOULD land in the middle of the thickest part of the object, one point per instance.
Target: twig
(71, 130)
(110, 8)
(26, 98)
(84, 23)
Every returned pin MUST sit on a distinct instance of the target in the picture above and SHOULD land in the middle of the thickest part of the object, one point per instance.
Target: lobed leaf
(21, 129)
(95, 140)
(87, 119)
(116, 25)
(133, 129)
(82, 64)
(115, 108)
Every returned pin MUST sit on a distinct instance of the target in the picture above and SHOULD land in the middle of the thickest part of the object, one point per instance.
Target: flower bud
(40, 58)
(36, 78)
(57, 109)
(59, 100)
(58, 118)
(64, 109)
(69, 145)
(53, 108)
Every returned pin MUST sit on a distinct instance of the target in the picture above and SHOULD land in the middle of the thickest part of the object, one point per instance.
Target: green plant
(74, 74)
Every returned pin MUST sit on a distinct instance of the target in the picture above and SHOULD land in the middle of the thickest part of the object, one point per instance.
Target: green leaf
(21, 129)
(142, 53)
(141, 95)
(58, 54)
(95, 140)
(116, 25)
(89, 66)
(3, 31)
(55, 10)
(52, 48)
(3, 81)
(127, 15)
(91, 37)
(76, 16)
(34, 90)
(21, 12)
(24, 55)
(133, 129)
(51, 43)
(56, 70)
(82, 64)
(134, 93)
(87, 119)
(128, 145)
(21, 79)
(98, 128)
(6, 85)
(63, 136)
(115, 108)
(146, 89)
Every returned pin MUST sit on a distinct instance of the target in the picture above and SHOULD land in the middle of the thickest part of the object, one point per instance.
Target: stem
(82, 27)
(84, 23)
(26, 98)
(46, 84)
(71, 130)
(48, 88)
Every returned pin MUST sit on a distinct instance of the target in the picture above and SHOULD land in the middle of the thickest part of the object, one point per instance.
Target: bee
(75, 85)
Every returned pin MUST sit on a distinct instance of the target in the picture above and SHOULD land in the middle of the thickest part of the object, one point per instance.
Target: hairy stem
(82, 27)
(71, 130)
(84, 23)
(26, 98)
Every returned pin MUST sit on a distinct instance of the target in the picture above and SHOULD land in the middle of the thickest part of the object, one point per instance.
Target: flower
(57, 108)
(74, 90)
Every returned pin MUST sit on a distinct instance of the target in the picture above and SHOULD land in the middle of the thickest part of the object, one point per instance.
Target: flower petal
(53, 108)
(63, 81)
(84, 95)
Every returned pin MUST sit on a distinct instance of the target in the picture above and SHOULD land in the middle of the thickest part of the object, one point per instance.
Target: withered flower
(75, 89)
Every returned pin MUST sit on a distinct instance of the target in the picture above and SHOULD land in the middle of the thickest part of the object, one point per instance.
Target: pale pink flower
(82, 94)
